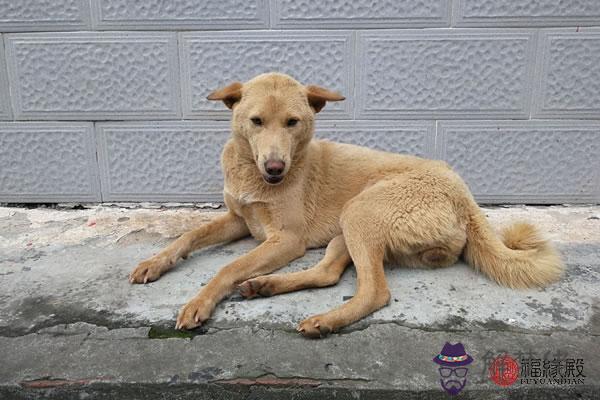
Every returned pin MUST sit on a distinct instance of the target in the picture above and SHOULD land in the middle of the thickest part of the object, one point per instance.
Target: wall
(105, 99)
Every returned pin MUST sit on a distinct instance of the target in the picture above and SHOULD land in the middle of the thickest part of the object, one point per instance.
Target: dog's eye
(292, 122)
(256, 121)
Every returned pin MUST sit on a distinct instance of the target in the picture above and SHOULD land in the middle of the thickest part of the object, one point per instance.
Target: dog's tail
(520, 258)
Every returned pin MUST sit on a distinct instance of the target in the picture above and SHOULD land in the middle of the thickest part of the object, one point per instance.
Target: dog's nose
(274, 167)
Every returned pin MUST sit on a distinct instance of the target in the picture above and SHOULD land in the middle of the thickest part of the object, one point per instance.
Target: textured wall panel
(408, 137)
(444, 74)
(489, 13)
(4, 93)
(212, 60)
(161, 161)
(568, 78)
(47, 162)
(93, 75)
(180, 14)
(44, 15)
(529, 161)
(360, 14)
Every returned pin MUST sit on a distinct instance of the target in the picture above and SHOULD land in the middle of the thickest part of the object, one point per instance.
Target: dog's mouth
(273, 179)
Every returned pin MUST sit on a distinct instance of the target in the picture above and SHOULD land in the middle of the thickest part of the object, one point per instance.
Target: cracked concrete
(71, 324)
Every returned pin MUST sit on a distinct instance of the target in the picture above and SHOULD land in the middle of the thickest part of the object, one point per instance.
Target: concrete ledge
(71, 326)
(382, 361)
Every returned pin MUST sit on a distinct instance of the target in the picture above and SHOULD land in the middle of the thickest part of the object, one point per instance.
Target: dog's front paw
(146, 271)
(315, 327)
(193, 314)
(255, 287)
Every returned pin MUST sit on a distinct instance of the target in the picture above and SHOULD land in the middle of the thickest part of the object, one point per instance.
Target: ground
(71, 326)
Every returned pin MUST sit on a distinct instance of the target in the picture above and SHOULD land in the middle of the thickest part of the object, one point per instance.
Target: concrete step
(72, 327)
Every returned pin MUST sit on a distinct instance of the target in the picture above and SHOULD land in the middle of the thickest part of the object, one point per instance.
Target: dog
(294, 193)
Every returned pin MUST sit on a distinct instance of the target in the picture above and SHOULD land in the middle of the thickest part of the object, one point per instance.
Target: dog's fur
(367, 206)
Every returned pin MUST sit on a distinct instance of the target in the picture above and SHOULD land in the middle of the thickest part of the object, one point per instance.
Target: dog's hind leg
(412, 215)
(326, 273)
(362, 229)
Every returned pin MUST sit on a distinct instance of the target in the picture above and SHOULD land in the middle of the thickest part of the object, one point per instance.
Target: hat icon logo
(452, 361)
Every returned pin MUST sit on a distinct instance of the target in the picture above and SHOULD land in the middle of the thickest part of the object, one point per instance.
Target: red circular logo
(504, 370)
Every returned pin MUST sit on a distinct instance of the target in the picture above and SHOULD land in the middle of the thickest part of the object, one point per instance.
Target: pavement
(72, 327)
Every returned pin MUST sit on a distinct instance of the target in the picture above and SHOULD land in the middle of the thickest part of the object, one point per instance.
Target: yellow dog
(294, 193)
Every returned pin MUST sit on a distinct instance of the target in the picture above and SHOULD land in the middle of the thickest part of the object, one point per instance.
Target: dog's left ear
(318, 96)
(230, 94)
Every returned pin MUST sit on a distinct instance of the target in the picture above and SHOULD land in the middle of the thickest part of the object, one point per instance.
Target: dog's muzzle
(274, 171)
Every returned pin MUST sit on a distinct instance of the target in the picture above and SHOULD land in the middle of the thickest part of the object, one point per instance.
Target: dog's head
(274, 114)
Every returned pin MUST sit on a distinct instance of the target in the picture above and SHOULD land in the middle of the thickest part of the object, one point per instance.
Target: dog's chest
(255, 227)
(247, 206)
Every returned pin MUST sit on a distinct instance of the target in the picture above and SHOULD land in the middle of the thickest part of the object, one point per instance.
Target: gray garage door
(104, 100)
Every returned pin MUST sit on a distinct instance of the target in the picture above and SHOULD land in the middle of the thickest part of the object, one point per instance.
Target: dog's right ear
(230, 94)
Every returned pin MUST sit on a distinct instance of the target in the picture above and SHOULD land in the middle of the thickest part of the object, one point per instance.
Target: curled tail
(519, 259)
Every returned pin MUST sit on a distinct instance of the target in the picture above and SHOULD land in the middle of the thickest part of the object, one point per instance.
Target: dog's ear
(318, 96)
(230, 94)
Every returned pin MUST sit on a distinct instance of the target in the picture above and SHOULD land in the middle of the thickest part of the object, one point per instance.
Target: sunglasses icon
(459, 372)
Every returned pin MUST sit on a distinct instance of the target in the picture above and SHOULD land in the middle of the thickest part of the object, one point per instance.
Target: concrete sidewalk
(71, 326)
